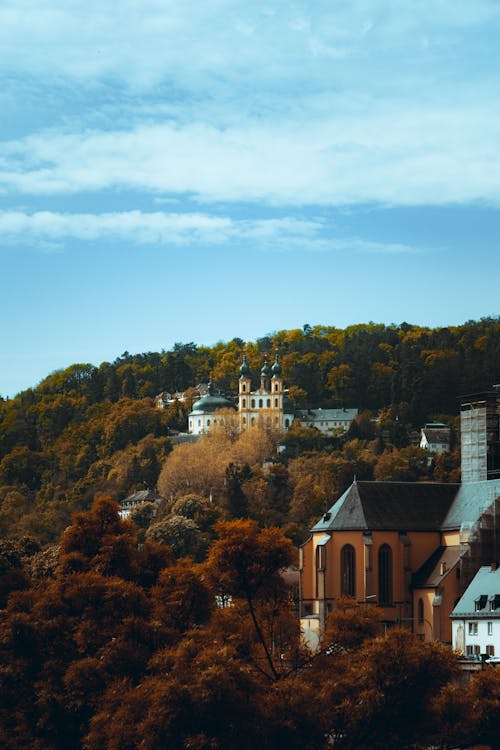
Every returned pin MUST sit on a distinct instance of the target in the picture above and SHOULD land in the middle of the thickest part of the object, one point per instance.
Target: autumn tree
(244, 563)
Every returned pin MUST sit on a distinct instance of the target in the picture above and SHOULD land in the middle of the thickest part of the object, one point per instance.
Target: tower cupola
(244, 369)
(265, 376)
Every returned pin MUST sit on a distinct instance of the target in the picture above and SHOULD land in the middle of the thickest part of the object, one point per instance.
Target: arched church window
(243, 386)
(348, 570)
(261, 403)
(287, 423)
(253, 403)
(276, 387)
(268, 403)
(243, 402)
(420, 613)
(385, 575)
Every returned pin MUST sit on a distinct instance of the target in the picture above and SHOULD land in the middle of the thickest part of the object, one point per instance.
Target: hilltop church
(268, 405)
(410, 549)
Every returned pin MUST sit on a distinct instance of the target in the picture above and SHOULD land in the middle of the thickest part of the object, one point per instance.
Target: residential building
(435, 437)
(141, 496)
(476, 617)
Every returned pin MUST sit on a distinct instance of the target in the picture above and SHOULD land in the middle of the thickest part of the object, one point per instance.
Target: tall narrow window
(348, 570)
(253, 403)
(420, 613)
(268, 403)
(260, 403)
(385, 575)
(244, 403)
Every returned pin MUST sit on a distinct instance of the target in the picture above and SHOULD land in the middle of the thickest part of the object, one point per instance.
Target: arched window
(268, 403)
(253, 403)
(348, 570)
(276, 402)
(260, 403)
(420, 613)
(276, 386)
(208, 422)
(385, 575)
(252, 421)
(287, 423)
(243, 402)
(243, 387)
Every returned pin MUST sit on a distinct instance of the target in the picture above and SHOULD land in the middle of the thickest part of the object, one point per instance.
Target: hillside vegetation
(87, 430)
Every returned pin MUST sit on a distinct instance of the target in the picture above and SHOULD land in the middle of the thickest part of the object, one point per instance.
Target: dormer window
(481, 602)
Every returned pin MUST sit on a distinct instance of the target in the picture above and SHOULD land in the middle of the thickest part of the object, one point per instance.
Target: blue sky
(195, 171)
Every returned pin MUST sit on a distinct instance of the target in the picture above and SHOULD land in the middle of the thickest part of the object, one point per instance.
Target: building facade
(266, 406)
(411, 549)
(476, 617)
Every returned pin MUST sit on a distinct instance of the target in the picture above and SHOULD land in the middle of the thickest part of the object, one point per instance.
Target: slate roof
(430, 575)
(390, 506)
(409, 506)
(486, 582)
(434, 435)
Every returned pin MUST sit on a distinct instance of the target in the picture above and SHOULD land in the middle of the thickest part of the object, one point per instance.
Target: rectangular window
(490, 628)
(490, 650)
(472, 628)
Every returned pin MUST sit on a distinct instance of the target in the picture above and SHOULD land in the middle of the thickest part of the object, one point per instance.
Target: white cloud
(378, 154)
(51, 230)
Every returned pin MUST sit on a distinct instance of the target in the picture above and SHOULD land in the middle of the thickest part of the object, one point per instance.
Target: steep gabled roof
(390, 506)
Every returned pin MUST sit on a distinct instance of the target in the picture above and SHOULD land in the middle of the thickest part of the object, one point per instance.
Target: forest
(89, 430)
(178, 626)
(115, 645)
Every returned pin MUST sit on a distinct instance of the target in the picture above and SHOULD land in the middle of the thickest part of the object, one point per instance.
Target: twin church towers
(268, 405)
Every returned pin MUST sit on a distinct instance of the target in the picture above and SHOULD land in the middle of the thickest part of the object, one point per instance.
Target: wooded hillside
(87, 429)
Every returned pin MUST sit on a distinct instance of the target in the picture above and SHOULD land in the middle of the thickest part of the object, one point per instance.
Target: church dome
(276, 368)
(211, 402)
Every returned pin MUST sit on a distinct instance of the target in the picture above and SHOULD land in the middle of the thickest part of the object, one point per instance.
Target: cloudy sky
(196, 170)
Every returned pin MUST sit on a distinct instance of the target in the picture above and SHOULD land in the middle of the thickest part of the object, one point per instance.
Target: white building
(206, 411)
(327, 420)
(268, 405)
(476, 617)
(435, 437)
